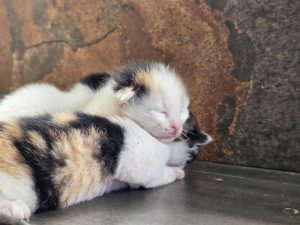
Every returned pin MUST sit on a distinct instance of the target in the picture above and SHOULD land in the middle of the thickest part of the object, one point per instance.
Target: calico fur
(96, 81)
(149, 93)
(57, 160)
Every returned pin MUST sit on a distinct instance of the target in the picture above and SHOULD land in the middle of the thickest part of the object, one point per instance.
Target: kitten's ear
(124, 95)
(204, 138)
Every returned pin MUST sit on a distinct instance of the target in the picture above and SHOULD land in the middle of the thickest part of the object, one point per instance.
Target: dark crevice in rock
(216, 4)
(69, 33)
(39, 13)
(197, 2)
(98, 40)
(243, 53)
(15, 25)
(226, 114)
(43, 59)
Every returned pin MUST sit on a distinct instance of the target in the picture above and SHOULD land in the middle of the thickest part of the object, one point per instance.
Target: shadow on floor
(210, 194)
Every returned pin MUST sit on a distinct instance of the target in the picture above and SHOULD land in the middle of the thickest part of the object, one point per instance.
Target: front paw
(13, 211)
(180, 174)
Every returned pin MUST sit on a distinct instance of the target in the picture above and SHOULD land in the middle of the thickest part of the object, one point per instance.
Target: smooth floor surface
(211, 194)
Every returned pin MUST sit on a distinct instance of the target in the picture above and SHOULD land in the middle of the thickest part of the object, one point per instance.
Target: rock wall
(239, 59)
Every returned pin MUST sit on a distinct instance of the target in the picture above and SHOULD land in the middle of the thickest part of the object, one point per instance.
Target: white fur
(17, 198)
(142, 162)
(209, 138)
(40, 98)
(180, 154)
(166, 104)
(103, 102)
(168, 95)
(13, 211)
(144, 159)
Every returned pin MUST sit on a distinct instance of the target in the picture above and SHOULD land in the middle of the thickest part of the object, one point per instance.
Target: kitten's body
(151, 94)
(43, 155)
(34, 99)
(54, 161)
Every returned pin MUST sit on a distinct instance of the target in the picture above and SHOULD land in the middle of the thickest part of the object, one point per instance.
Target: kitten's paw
(180, 174)
(13, 211)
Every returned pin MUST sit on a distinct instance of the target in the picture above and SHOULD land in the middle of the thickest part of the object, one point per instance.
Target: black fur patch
(96, 81)
(194, 135)
(42, 165)
(41, 125)
(140, 91)
(125, 77)
(112, 144)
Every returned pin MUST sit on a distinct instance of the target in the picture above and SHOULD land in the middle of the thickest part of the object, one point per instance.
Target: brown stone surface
(62, 40)
(6, 56)
(194, 40)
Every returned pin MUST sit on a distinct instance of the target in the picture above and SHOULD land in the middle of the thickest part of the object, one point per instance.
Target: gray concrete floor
(210, 194)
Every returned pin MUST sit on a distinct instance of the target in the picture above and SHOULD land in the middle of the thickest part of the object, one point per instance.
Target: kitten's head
(154, 96)
(193, 136)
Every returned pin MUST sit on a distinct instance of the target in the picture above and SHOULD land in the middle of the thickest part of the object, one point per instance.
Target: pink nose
(175, 128)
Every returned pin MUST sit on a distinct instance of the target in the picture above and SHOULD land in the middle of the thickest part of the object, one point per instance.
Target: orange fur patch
(144, 79)
(37, 140)
(63, 118)
(10, 159)
(11, 128)
(82, 175)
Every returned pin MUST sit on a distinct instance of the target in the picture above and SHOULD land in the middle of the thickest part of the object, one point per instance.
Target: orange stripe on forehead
(144, 79)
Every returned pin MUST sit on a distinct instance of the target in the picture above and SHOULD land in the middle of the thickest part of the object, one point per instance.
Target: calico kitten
(185, 148)
(151, 94)
(57, 160)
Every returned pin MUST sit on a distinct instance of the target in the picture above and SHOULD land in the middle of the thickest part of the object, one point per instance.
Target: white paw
(14, 211)
(180, 174)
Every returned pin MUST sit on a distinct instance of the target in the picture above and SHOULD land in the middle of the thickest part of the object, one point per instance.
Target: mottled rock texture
(239, 59)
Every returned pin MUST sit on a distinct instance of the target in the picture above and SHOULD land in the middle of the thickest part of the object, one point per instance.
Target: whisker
(184, 135)
(192, 132)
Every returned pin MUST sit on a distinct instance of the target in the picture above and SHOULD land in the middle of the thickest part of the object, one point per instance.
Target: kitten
(57, 160)
(34, 99)
(151, 94)
(185, 148)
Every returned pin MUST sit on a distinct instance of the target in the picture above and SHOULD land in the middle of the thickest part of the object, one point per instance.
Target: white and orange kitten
(151, 94)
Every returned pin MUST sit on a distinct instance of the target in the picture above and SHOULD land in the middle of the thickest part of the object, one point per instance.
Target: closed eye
(160, 113)
(165, 113)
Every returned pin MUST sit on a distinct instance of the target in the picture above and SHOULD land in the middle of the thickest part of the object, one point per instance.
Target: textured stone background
(240, 60)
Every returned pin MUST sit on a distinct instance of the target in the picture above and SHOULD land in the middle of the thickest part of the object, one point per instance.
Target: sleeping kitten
(185, 148)
(54, 161)
(151, 94)
(34, 99)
